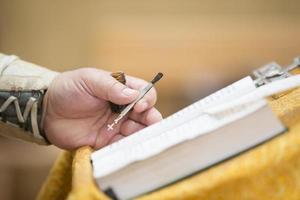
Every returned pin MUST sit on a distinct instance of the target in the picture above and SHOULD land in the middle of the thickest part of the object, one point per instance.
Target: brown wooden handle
(120, 76)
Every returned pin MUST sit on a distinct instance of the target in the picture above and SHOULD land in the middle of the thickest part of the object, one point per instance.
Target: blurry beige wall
(199, 45)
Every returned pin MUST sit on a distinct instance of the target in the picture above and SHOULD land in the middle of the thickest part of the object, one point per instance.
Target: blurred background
(199, 45)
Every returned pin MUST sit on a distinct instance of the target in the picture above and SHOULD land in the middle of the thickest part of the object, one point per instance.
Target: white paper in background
(259, 93)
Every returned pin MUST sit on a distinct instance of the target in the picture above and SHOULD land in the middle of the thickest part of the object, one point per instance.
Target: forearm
(22, 88)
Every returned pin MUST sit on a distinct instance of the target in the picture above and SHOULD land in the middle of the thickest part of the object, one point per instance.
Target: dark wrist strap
(24, 110)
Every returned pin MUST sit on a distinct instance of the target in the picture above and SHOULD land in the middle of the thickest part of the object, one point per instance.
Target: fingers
(100, 84)
(148, 100)
(105, 134)
(120, 131)
(147, 118)
(116, 138)
(129, 127)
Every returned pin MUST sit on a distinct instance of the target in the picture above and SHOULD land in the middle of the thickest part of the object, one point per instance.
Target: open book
(207, 132)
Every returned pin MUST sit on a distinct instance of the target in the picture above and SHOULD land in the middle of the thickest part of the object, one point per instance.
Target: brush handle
(143, 92)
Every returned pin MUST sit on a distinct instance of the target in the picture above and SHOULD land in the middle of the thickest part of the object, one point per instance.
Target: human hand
(77, 110)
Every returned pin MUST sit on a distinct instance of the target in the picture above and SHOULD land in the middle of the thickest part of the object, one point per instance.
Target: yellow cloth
(269, 171)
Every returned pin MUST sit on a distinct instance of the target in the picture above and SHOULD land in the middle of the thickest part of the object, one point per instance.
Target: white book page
(212, 118)
(191, 129)
(231, 92)
(261, 92)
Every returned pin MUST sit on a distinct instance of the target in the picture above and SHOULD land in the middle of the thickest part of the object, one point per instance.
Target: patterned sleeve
(22, 88)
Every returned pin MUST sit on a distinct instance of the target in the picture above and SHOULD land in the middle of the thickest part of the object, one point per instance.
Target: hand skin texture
(77, 110)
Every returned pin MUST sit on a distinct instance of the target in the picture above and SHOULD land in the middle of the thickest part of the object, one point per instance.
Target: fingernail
(129, 92)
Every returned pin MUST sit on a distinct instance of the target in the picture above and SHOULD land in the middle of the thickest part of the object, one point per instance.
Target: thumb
(104, 86)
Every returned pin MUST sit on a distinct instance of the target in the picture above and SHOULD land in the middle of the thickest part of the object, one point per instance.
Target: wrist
(43, 116)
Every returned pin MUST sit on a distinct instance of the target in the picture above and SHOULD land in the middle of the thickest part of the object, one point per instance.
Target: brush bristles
(157, 77)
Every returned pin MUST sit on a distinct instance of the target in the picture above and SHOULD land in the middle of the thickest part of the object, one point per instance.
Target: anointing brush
(143, 92)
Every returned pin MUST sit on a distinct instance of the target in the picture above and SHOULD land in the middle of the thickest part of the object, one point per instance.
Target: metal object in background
(273, 71)
(119, 76)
